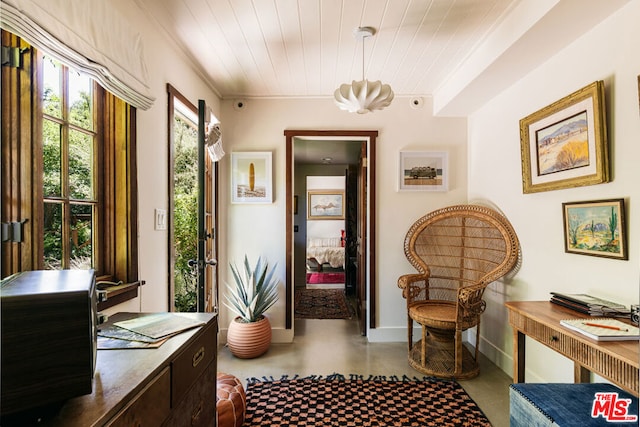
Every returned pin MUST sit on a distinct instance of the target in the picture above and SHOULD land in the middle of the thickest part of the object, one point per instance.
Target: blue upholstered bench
(569, 405)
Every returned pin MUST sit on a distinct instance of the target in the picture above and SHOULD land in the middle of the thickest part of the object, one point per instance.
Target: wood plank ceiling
(306, 48)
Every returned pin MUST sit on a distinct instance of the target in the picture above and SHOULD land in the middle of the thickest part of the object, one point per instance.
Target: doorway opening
(330, 216)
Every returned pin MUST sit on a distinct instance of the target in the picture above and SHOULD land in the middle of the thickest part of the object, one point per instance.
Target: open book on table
(603, 329)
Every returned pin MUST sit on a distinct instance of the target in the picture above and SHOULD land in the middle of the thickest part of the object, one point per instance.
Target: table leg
(518, 356)
(581, 374)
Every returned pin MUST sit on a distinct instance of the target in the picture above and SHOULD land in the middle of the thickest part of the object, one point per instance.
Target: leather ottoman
(231, 401)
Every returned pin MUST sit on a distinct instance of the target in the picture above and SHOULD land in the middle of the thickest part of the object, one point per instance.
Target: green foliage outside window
(185, 214)
(79, 149)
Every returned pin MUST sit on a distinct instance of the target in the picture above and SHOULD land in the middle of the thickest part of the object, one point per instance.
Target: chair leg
(410, 332)
(423, 350)
(477, 340)
(458, 353)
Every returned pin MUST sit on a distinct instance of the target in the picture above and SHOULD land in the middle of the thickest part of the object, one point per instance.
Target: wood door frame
(371, 158)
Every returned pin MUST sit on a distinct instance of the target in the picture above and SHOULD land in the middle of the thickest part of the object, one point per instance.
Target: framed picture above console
(595, 228)
(565, 144)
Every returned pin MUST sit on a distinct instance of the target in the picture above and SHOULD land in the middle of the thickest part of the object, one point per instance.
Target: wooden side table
(617, 361)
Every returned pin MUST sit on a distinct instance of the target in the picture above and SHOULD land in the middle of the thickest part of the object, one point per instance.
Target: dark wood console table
(172, 385)
(617, 361)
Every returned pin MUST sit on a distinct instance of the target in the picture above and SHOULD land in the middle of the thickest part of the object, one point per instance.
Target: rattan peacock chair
(458, 251)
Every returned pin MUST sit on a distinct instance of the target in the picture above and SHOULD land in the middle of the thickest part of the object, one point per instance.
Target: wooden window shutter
(21, 144)
(121, 201)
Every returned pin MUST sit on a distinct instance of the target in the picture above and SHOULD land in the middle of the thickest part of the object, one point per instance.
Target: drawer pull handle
(196, 414)
(554, 338)
(197, 358)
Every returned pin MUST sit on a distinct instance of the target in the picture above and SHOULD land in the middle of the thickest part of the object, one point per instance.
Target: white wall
(324, 228)
(610, 52)
(260, 230)
(165, 64)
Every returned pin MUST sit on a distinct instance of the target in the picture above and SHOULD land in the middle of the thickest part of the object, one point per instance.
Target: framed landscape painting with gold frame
(325, 204)
(565, 144)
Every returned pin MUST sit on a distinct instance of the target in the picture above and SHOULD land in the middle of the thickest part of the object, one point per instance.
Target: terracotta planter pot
(249, 340)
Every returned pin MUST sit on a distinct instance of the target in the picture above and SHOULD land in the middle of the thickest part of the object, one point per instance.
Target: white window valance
(88, 35)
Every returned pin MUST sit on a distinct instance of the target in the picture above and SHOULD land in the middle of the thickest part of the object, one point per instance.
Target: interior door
(361, 241)
(351, 230)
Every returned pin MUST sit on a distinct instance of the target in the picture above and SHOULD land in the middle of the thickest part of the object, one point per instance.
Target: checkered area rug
(355, 401)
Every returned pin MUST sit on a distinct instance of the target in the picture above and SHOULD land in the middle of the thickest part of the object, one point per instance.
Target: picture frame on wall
(564, 145)
(251, 177)
(325, 204)
(423, 171)
(595, 228)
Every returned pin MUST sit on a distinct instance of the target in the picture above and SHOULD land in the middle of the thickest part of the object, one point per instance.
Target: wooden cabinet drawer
(548, 336)
(192, 362)
(150, 407)
(198, 407)
(565, 344)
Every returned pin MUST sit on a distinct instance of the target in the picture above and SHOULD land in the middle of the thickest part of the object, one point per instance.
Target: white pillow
(323, 242)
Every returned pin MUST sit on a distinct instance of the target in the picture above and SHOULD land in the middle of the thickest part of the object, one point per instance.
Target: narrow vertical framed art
(251, 177)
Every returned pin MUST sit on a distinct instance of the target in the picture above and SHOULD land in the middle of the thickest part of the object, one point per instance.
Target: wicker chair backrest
(461, 246)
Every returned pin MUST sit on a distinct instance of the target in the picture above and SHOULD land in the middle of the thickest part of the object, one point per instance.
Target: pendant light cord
(363, 37)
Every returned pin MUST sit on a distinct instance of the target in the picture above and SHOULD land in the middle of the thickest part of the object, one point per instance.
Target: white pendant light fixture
(363, 96)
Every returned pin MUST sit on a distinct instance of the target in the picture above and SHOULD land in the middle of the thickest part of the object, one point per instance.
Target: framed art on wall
(423, 171)
(325, 204)
(565, 144)
(595, 228)
(251, 180)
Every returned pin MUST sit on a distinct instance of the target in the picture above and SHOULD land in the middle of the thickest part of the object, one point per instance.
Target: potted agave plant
(254, 291)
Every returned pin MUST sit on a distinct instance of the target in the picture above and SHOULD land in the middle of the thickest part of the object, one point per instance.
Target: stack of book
(590, 305)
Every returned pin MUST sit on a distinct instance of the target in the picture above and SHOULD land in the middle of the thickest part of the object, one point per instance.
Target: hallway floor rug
(321, 304)
(314, 278)
(356, 401)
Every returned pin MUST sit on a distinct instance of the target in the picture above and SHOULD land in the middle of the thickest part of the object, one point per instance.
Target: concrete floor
(323, 347)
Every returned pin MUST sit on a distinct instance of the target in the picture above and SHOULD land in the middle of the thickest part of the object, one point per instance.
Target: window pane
(81, 237)
(52, 159)
(52, 236)
(80, 95)
(52, 100)
(80, 166)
